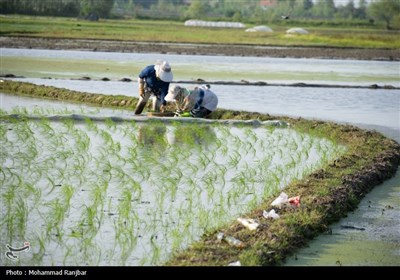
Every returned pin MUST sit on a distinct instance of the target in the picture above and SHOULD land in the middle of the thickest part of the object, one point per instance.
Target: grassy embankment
(326, 195)
(175, 31)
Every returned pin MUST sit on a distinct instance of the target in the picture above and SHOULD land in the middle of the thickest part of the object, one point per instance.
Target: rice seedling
(56, 218)
(148, 188)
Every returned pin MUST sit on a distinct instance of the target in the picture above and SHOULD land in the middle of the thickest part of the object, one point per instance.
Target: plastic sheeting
(77, 117)
(260, 28)
(224, 24)
(297, 31)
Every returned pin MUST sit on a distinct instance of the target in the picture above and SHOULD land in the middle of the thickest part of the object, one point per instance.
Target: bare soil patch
(200, 49)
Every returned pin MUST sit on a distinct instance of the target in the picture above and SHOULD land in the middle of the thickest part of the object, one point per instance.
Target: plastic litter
(237, 263)
(182, 114)
(280, 200)
(230, 240)
(248, 223)
(283, 199)
(294, 201)
(234, 242)
(271, 214)
(185, 114)
(220, 236)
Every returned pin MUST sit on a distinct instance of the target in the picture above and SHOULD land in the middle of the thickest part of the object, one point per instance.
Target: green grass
(175, 31)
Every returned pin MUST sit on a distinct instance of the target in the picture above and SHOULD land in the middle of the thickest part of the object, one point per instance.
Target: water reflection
(159, 136)
(153, 135)
(192, 135)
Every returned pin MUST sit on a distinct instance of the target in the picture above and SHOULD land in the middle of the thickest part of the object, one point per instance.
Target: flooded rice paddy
(377, 109)
(105, 193)
(75, 64)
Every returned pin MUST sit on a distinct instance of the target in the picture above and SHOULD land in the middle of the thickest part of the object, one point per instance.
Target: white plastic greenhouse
(224, 24)
(260, 28)
(296, 31)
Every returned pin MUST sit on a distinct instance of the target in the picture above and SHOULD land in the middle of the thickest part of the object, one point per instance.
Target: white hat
(163, 71)
(172, 93)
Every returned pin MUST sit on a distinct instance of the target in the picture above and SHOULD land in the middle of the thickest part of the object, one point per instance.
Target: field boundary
(383, 54)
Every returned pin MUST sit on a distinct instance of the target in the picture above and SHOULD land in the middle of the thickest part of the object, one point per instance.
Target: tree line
(64, 8)
(255, 11)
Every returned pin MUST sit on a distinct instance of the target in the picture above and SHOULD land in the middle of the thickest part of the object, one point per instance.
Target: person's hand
(162, 108)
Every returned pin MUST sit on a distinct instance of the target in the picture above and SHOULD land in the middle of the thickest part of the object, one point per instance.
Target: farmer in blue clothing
(154, 80)
(198, 103)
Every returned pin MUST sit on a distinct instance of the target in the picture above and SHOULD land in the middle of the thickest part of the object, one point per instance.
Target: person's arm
(164, 92)
(185, 104)
(189, 101)
(141, 87)
(142, 78)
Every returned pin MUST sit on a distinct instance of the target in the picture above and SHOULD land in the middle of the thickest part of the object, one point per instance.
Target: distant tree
(145, 3)
(124, 8)
(303, 8)
(71, 8)
(307, 4)
(385, 10)
(347, 11)
(363, 4)
(50, 8)
(167, 9)
(198, 9)
(100, 7)
(237, 16)
(361, 11)
(324, 9)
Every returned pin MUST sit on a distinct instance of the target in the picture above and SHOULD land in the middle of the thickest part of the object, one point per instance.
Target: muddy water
(370, 235)
(377, 107)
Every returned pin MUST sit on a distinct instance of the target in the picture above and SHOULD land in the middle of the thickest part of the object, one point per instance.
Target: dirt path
(197, 49)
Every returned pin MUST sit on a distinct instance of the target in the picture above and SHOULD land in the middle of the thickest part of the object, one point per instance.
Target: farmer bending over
(154, 80)
(200, 101)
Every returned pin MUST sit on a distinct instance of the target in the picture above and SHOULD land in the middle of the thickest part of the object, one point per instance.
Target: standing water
(378, 214)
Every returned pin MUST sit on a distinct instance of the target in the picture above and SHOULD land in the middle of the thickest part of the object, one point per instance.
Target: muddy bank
(230, 83)
(203, 49)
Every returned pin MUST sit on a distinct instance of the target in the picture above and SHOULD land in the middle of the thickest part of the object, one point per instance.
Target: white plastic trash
(271, 214)
(234, 242)
(249, 223)
(237, 263)
(280, 200)
(220, 236)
